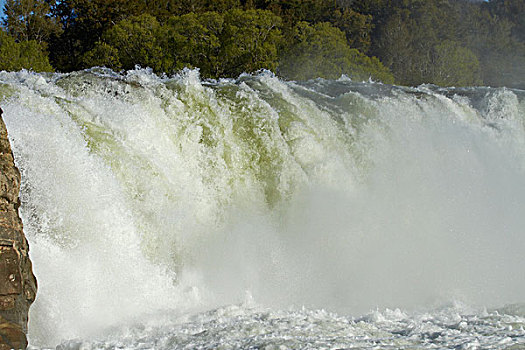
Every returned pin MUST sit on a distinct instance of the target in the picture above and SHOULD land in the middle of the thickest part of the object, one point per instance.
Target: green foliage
(356, 26)
(514, 12)
(96, 16)
(418, 45)
(505, 67)
(294, 11)
(220, 45)
(102, 55)
(250, 40)
(135, 41)
(194, 41)
(394, 45)
(24, 55)
(322, 51)
(29, 20)
(408, 36)
(446, 42)
(454, 65)
(83, 22)
(182, 7)
(490, 36)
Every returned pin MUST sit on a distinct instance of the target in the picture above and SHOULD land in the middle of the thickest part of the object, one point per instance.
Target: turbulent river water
(173, 212)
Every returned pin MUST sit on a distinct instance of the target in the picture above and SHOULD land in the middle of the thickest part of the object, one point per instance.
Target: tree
(30, 20)
(182, 7)
(356, 26)
(321, 50)
(294, 11)
(250, 41)
(454, 65)
(395, 46)
(130, 42)
(489, 33)
(162, 10)
(83, 23)
(379, 10)
(409, 41)
(102, 55)
(94, 17)
(194, 40)
(514, 12)
(24, 55)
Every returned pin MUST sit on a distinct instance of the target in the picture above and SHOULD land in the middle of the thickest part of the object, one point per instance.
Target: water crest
(178, 206)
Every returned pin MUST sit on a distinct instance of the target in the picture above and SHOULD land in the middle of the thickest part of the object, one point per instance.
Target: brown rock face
(17, 282)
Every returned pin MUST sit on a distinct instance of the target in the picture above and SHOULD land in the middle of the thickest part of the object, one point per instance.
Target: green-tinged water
(250, 213)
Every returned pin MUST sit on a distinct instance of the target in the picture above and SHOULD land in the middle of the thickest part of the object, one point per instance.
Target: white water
(148, 201)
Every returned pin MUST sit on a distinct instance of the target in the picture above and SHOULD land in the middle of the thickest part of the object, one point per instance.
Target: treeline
(445, 42)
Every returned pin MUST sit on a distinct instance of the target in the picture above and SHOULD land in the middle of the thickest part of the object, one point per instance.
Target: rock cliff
(17, 282)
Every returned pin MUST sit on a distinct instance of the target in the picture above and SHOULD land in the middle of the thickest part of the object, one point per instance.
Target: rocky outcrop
(17, 282)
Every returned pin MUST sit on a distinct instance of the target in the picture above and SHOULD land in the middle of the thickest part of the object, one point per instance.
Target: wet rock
(17, 282)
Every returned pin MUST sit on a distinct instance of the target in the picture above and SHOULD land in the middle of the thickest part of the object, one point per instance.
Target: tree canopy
(322, 50)
(24, 55)
(444, 42)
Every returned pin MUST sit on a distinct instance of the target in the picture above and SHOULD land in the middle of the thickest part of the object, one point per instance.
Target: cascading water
(180, 213)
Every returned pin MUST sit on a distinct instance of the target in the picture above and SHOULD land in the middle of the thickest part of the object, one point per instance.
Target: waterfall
(146, 195)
